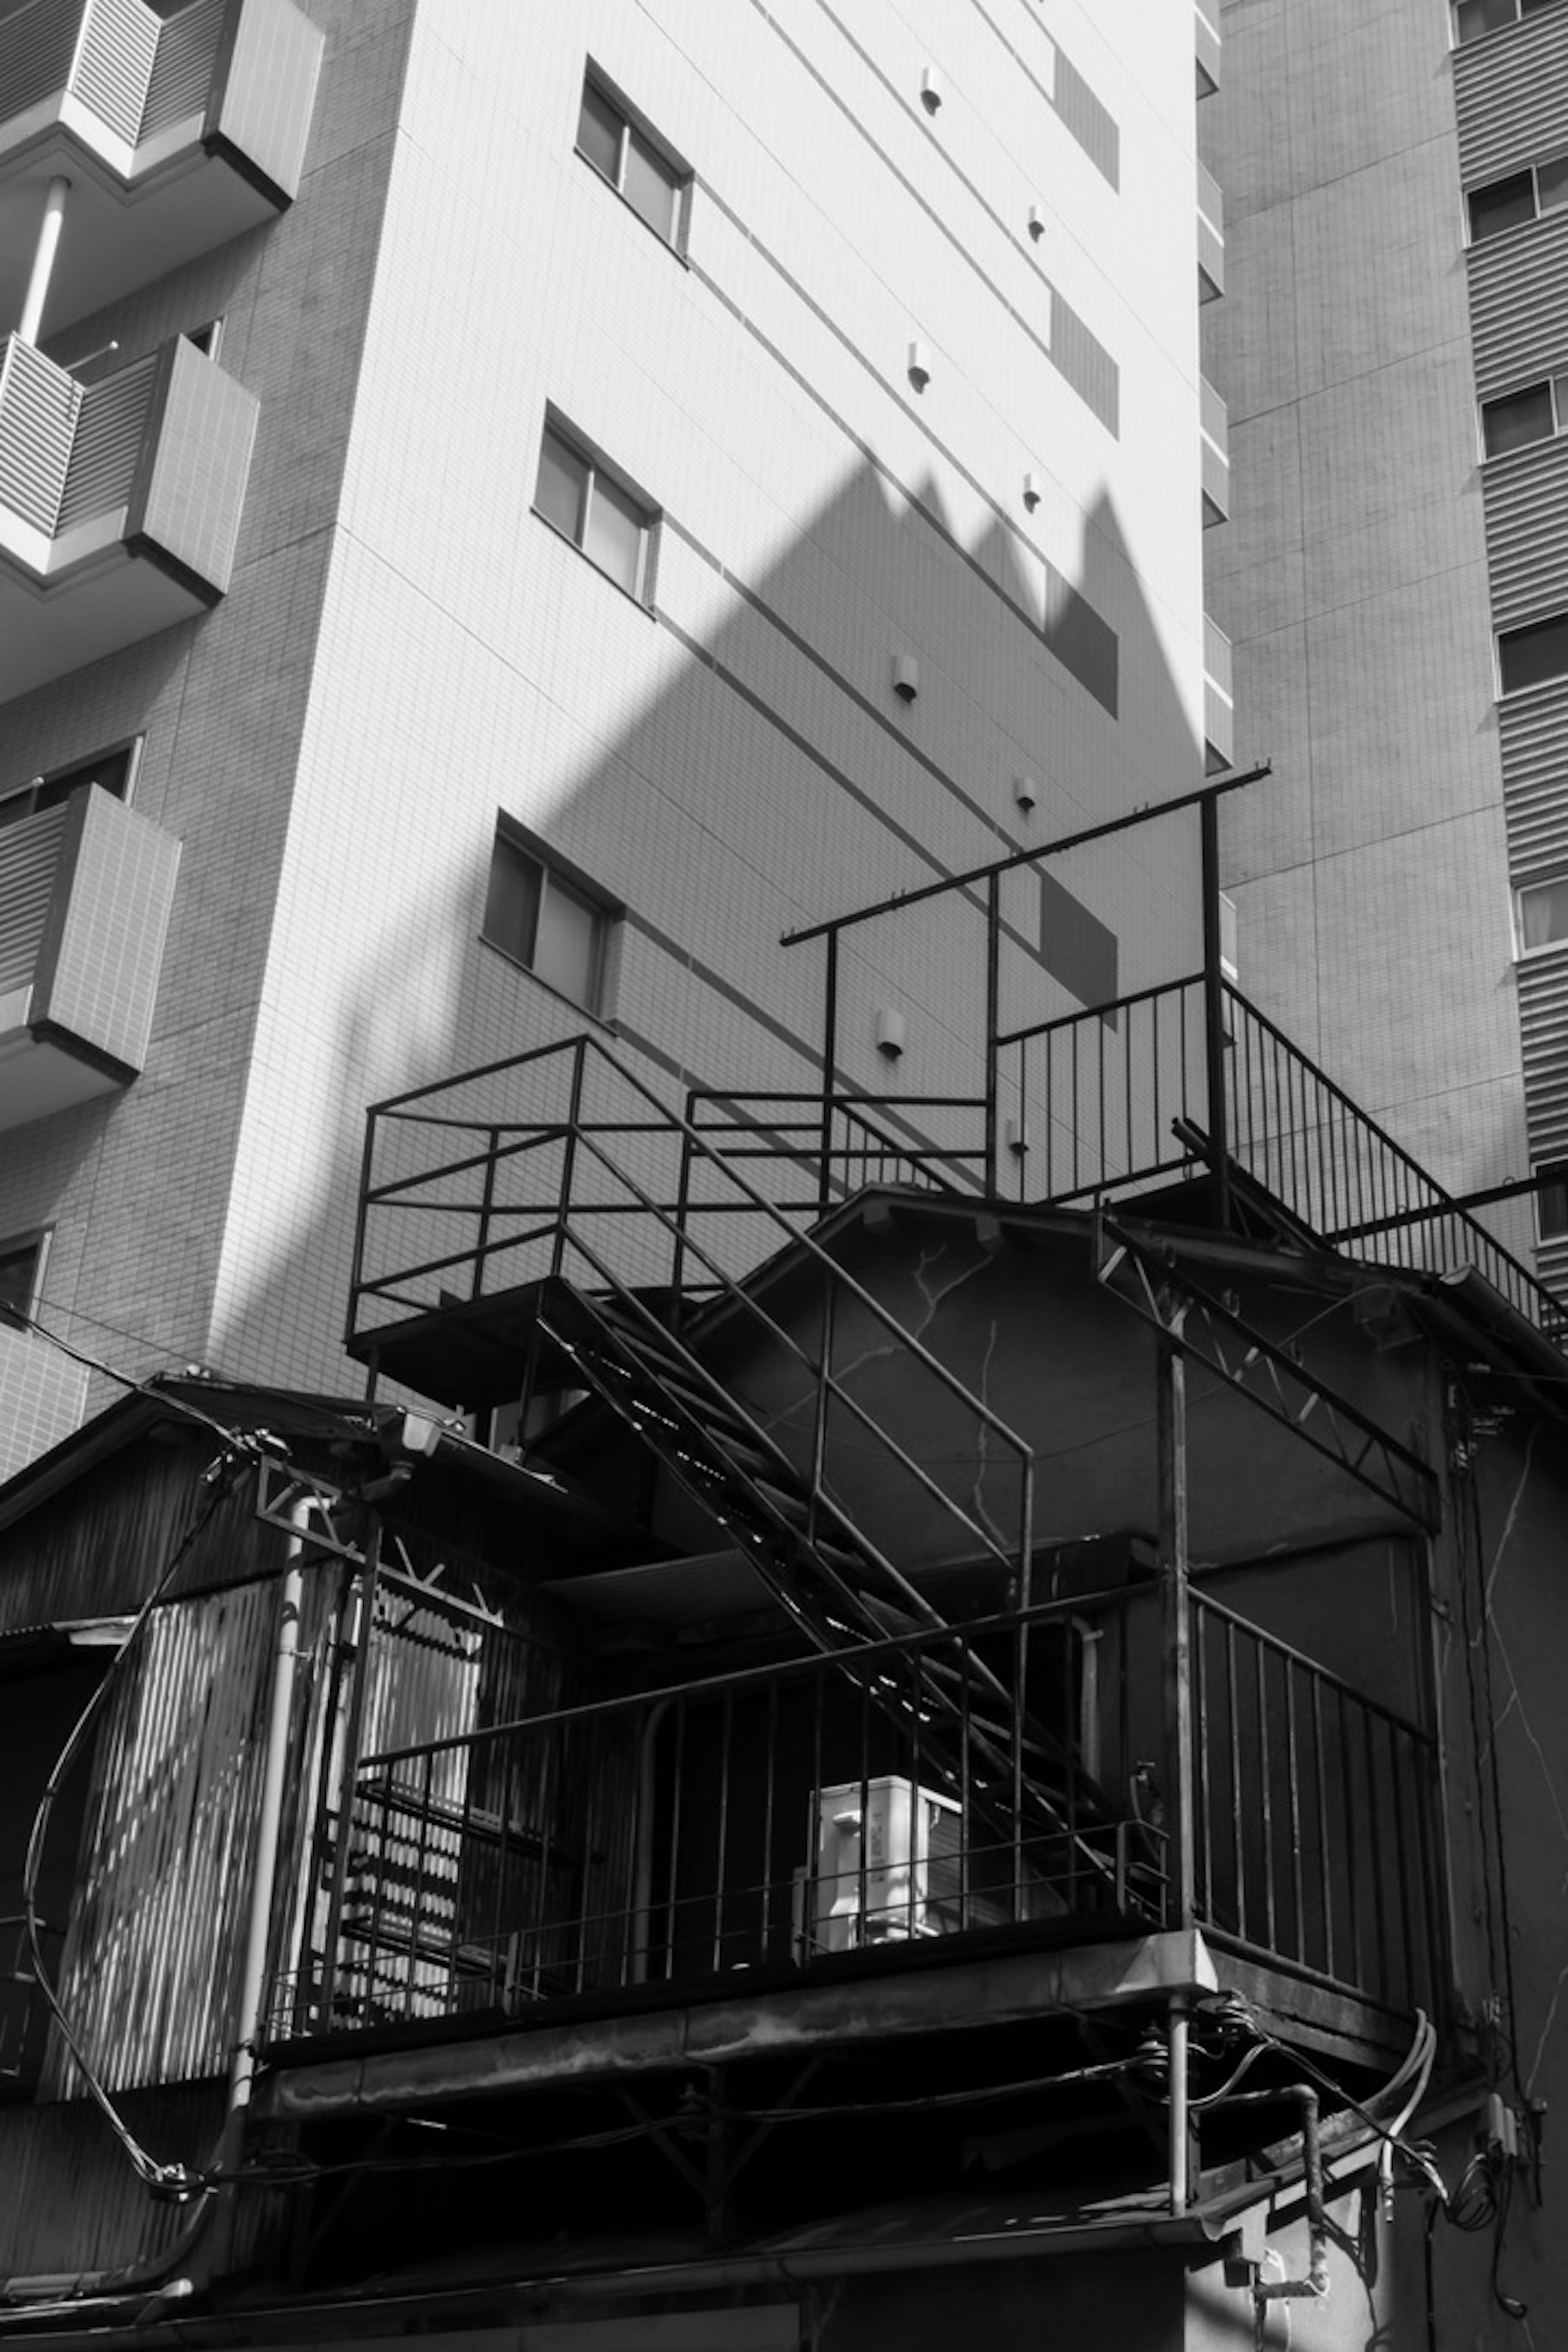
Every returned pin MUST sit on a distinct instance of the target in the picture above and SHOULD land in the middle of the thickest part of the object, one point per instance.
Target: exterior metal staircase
(976, 1739)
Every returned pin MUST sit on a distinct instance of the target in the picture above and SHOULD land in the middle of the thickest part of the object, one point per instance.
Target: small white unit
(888, 1866)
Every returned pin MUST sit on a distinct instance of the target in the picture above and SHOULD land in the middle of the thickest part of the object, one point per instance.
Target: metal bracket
(281, 1487)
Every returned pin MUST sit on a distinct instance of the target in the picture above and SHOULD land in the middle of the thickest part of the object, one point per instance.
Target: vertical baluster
(1201, 1815)
(770, 1789)
(721, 1847)
(1265, 1778)
(1293, 1767)
(1325, 1888)
(1383, 1990)
(1233, 1711)
(1406, 1993)
(677, 1838)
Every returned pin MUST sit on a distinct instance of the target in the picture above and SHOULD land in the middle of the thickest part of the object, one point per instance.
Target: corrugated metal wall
(1511, 100)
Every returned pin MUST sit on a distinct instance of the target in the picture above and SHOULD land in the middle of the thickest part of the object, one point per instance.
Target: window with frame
(639, 167)
(1523, 196)
(1543, 913)
(111, 770)
(543, 915)
(21, 1276)
(599, 512)
(1533, 655)
(1551, 1201)
(1519, 419)
(1472, 18)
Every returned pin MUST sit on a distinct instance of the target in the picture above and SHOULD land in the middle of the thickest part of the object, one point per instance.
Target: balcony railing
(176, 129)
(86, 892)
(1124, 1104)
(777, 1820)
(151, 460)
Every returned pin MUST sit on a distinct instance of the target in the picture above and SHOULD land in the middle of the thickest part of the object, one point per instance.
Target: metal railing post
(569, 1154)
(1171, 1405)
(829, 1063)
(992, 1022)
(1213, 1014)
(487, 1205)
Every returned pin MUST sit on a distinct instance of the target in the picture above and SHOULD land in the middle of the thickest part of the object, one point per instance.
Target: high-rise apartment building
(506, 513)
(1391, 348)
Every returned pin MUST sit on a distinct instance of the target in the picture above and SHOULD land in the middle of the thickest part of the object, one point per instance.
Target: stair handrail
(737, 1291)
(695, 1137)
(776, 1331)
(1440, 1203)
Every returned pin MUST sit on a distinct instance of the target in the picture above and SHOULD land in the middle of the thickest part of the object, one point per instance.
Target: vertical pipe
(993, 1021)
(1180, 2161)
(486, 1209)
(829, 1063)
(363, 1604)
(44, 254)
(250, 2006)
(569, 1156)
(1214, 1013)
(1172, 1422)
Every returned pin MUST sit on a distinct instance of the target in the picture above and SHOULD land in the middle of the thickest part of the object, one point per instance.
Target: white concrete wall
(732, 762)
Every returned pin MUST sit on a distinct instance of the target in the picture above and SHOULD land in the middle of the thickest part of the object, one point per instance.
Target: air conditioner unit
(888, 1866)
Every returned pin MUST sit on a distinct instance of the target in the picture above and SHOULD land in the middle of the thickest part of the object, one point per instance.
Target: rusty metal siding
(149, 1974)
(72, 2202)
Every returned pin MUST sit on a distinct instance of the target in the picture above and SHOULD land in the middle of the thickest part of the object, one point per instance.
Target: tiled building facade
(695, 489)
(1391, 575)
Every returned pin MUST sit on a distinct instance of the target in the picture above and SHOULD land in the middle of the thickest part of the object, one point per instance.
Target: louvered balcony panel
(177, 131)
(29, 859)
(183, 71)
(114, 63)
(38, 409)
(86, 894)
(37, 46)
(109, 437)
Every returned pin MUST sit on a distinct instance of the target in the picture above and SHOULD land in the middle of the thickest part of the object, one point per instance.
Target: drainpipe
(1180, 2150)
(32, 316)
(1316, 2282)
(251, 2007)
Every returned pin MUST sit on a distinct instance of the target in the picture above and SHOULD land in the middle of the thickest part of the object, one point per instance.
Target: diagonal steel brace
(1149, 1279)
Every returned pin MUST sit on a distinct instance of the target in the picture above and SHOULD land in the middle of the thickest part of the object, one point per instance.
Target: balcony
(177, 132)
(1211, 237)
(120, 503)
(1214, 453)
(782, 1831)
(1219, 708)
(85, 897)
(1206, 47)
